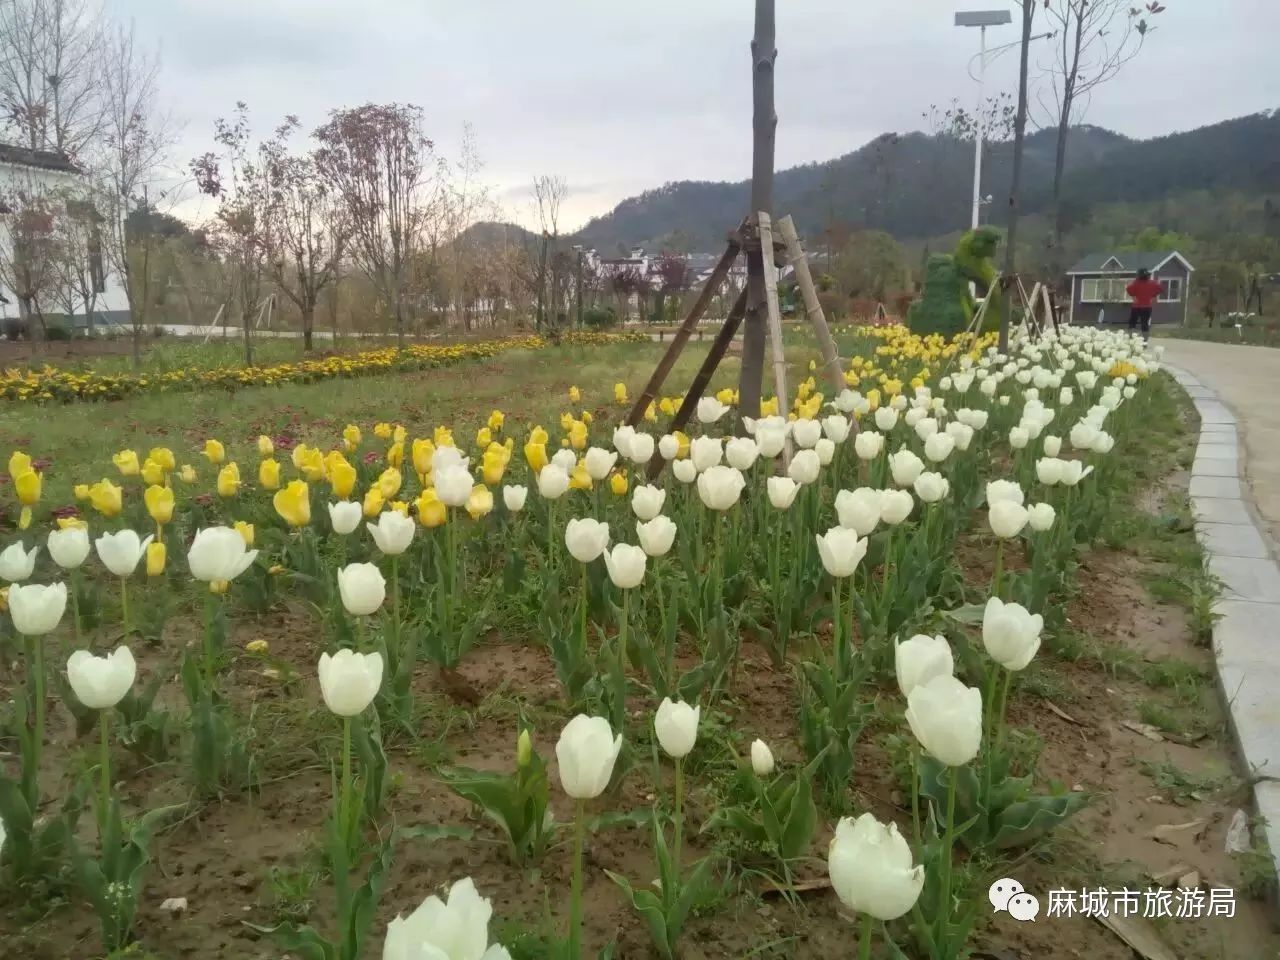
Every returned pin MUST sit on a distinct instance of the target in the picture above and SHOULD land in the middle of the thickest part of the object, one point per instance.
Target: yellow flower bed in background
(50, 384)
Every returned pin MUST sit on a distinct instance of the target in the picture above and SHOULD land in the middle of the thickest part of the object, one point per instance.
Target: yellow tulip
(618, 484)
(342, 478)
(399, 434)
(214, 452)
(80, 491)
(395, 455)
(769, 408)
(28, 486)
(389, 483)
(152, 472)
(496, 420)
(159, 501)
(566, 421)
(312, 465)
(228, 480)
(126, 462)
(480, 502)
(578, 436)
(24, 518)
(293, 503)
(538, 435)
(422, 450)
(813, 365)
(187, 474)
(620, 393)
(163, 456)
(580, 479)
(71, 523)
(443, 437)
(431, 510)
(156, 554)
(299, 455)
(107, 498)
(725, 396)
(575, 395)
(492, 469)
(265, 447)
(373, 501)
(535, 454)
(246, 532)
(667, 406)
(682, 451)
(257, 647)
(484, 437)
(651, 413)
(587, 418)
(19, 463)
(382, 431)
(351, 436)
(399, 506)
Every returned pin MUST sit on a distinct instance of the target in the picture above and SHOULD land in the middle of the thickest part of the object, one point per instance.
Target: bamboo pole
(765, 226)
(812, 305)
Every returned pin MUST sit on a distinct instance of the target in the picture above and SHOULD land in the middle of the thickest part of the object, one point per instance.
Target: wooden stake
(775, 324)
(812, 305)
(690, 324)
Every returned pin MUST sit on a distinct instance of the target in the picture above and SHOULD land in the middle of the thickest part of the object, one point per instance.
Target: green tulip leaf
(1022, 823)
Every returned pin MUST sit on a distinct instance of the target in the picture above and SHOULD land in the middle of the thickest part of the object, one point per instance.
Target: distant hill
(916, 186)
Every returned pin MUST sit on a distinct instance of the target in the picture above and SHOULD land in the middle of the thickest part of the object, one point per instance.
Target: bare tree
(50, 85)
(29, 259)
(463, 195)
(305, 225)
(954, 120)
(1094, 40)
(378, 160)
(78, 264)
(549, 192)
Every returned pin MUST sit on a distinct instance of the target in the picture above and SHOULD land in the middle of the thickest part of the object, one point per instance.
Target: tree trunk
(764, 125)
(308, 325)
(1059, 165)
(1015, 187)
(540, 317)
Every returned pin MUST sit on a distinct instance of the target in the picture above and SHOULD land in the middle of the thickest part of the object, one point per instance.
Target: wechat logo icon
(1008, 895)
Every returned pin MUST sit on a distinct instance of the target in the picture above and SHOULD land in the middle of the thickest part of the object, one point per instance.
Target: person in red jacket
(1144, 291)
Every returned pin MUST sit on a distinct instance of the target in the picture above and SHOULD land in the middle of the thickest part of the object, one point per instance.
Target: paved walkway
(1233, 388)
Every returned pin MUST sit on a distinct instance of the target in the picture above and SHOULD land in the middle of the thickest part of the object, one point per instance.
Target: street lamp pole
(980, 19)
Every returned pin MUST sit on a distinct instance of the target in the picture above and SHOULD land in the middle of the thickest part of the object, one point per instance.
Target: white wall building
(45, 202)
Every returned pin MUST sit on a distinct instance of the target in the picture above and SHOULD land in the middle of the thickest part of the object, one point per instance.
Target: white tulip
(826, 451)
(1010, 634)
(870, 868)
(657, 535)
(676, 726)
(120, 552)
(599, 462)
(16, 564)
(939, 446)
(1052, 445)
(362, 588)
(917, 415)
(35, 609)
(706, 452)
(565, 459)
(647, 501)
(806, 433)
(905, 467)
(349, 681)
(625, 564)
(446, 456)
(1040, 516)
(219, 554)
(586, 539)
(394, 531)
(710, 410)
(1083, 435)
(782, 492)
(345, 516)
(836, 428)
(932, 487)
(1087, 379)
(622, 439)
(961, 433)
(805, 467)
(719, 487)
(841, 551)
(553, 481)
(1004, 490)
(859, 510)
(457, 930)
(895, 506)
(1018, 437)
(1065, 397)
(1103, 442)
(514, 497)
(886, 419)
(978, 419)
(927, 428)
(741, 453)
(70, 547)
(761, 758)
(988, 387)
(1130, 392)
(868, 444)
(771, 439)
(1007, 518)
(920, 659)
(453, 485)
(642, 446)
(1049, 471)
(945, 717)
(684, 471)
(669, 447)
(585, 754)
(1073, 471)
(101, 682)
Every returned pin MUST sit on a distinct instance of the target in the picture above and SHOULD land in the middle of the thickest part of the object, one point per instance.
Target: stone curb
(1241, 556)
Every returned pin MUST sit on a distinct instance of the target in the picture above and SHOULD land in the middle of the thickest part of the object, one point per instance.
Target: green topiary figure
(945, 305)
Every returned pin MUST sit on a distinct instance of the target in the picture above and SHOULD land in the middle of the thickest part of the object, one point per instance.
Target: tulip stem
(75, 605)
(836, 614)
(209, 613)
(915, 795)
(395, 594)
(864, 937)
(582, 615)
(104, 727)
(344, 808)
(124, 604)
(948, 842)
(679, 817)
(35, 664)
(575, 892)
(999, 570)
(619, 666)
(1000, 711)
(670, 678)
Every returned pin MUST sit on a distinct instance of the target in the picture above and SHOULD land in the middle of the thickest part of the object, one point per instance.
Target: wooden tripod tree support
(812, 305)
(765, 227)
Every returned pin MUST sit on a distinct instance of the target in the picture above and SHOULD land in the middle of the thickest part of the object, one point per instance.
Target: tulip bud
(805, 467)
(656, 536)
(16, 563)
(156, 556)
(553, 481)
(905, 467)
(586, 539)
(585, 754)
(868, 444)
(782, 492)
(642, 447)
(69, 546)
(524, 749)
(669, 447)
(895, 506)
(676, 726)
(453, 483)
(870, 868)
(1049, 471)
(684, 471)
(920, 659)
(706, 452)
(362, 588)
(826, 451)
(859, 510)
(344, 516)
(1040, 516)
(939, 446)
(1019, 437)
(626, 565)
(101, 682)
(219, 554)
(761, 759)
(836, 428)
(945, 717)
(119, 552)
(931, 487)
(1010, 634)
(599, 462)
(1004, 490)
(35, 609)
(514, 497)
(393, 533)
(886, 419)
(841, 551)
(741, 453)
(719, 487)
(1006, 518)
(348, 680)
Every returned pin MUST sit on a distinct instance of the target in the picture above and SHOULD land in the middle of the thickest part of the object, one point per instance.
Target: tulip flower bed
(505, 696)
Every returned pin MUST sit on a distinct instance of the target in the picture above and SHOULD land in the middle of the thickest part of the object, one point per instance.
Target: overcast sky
(621, 96)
